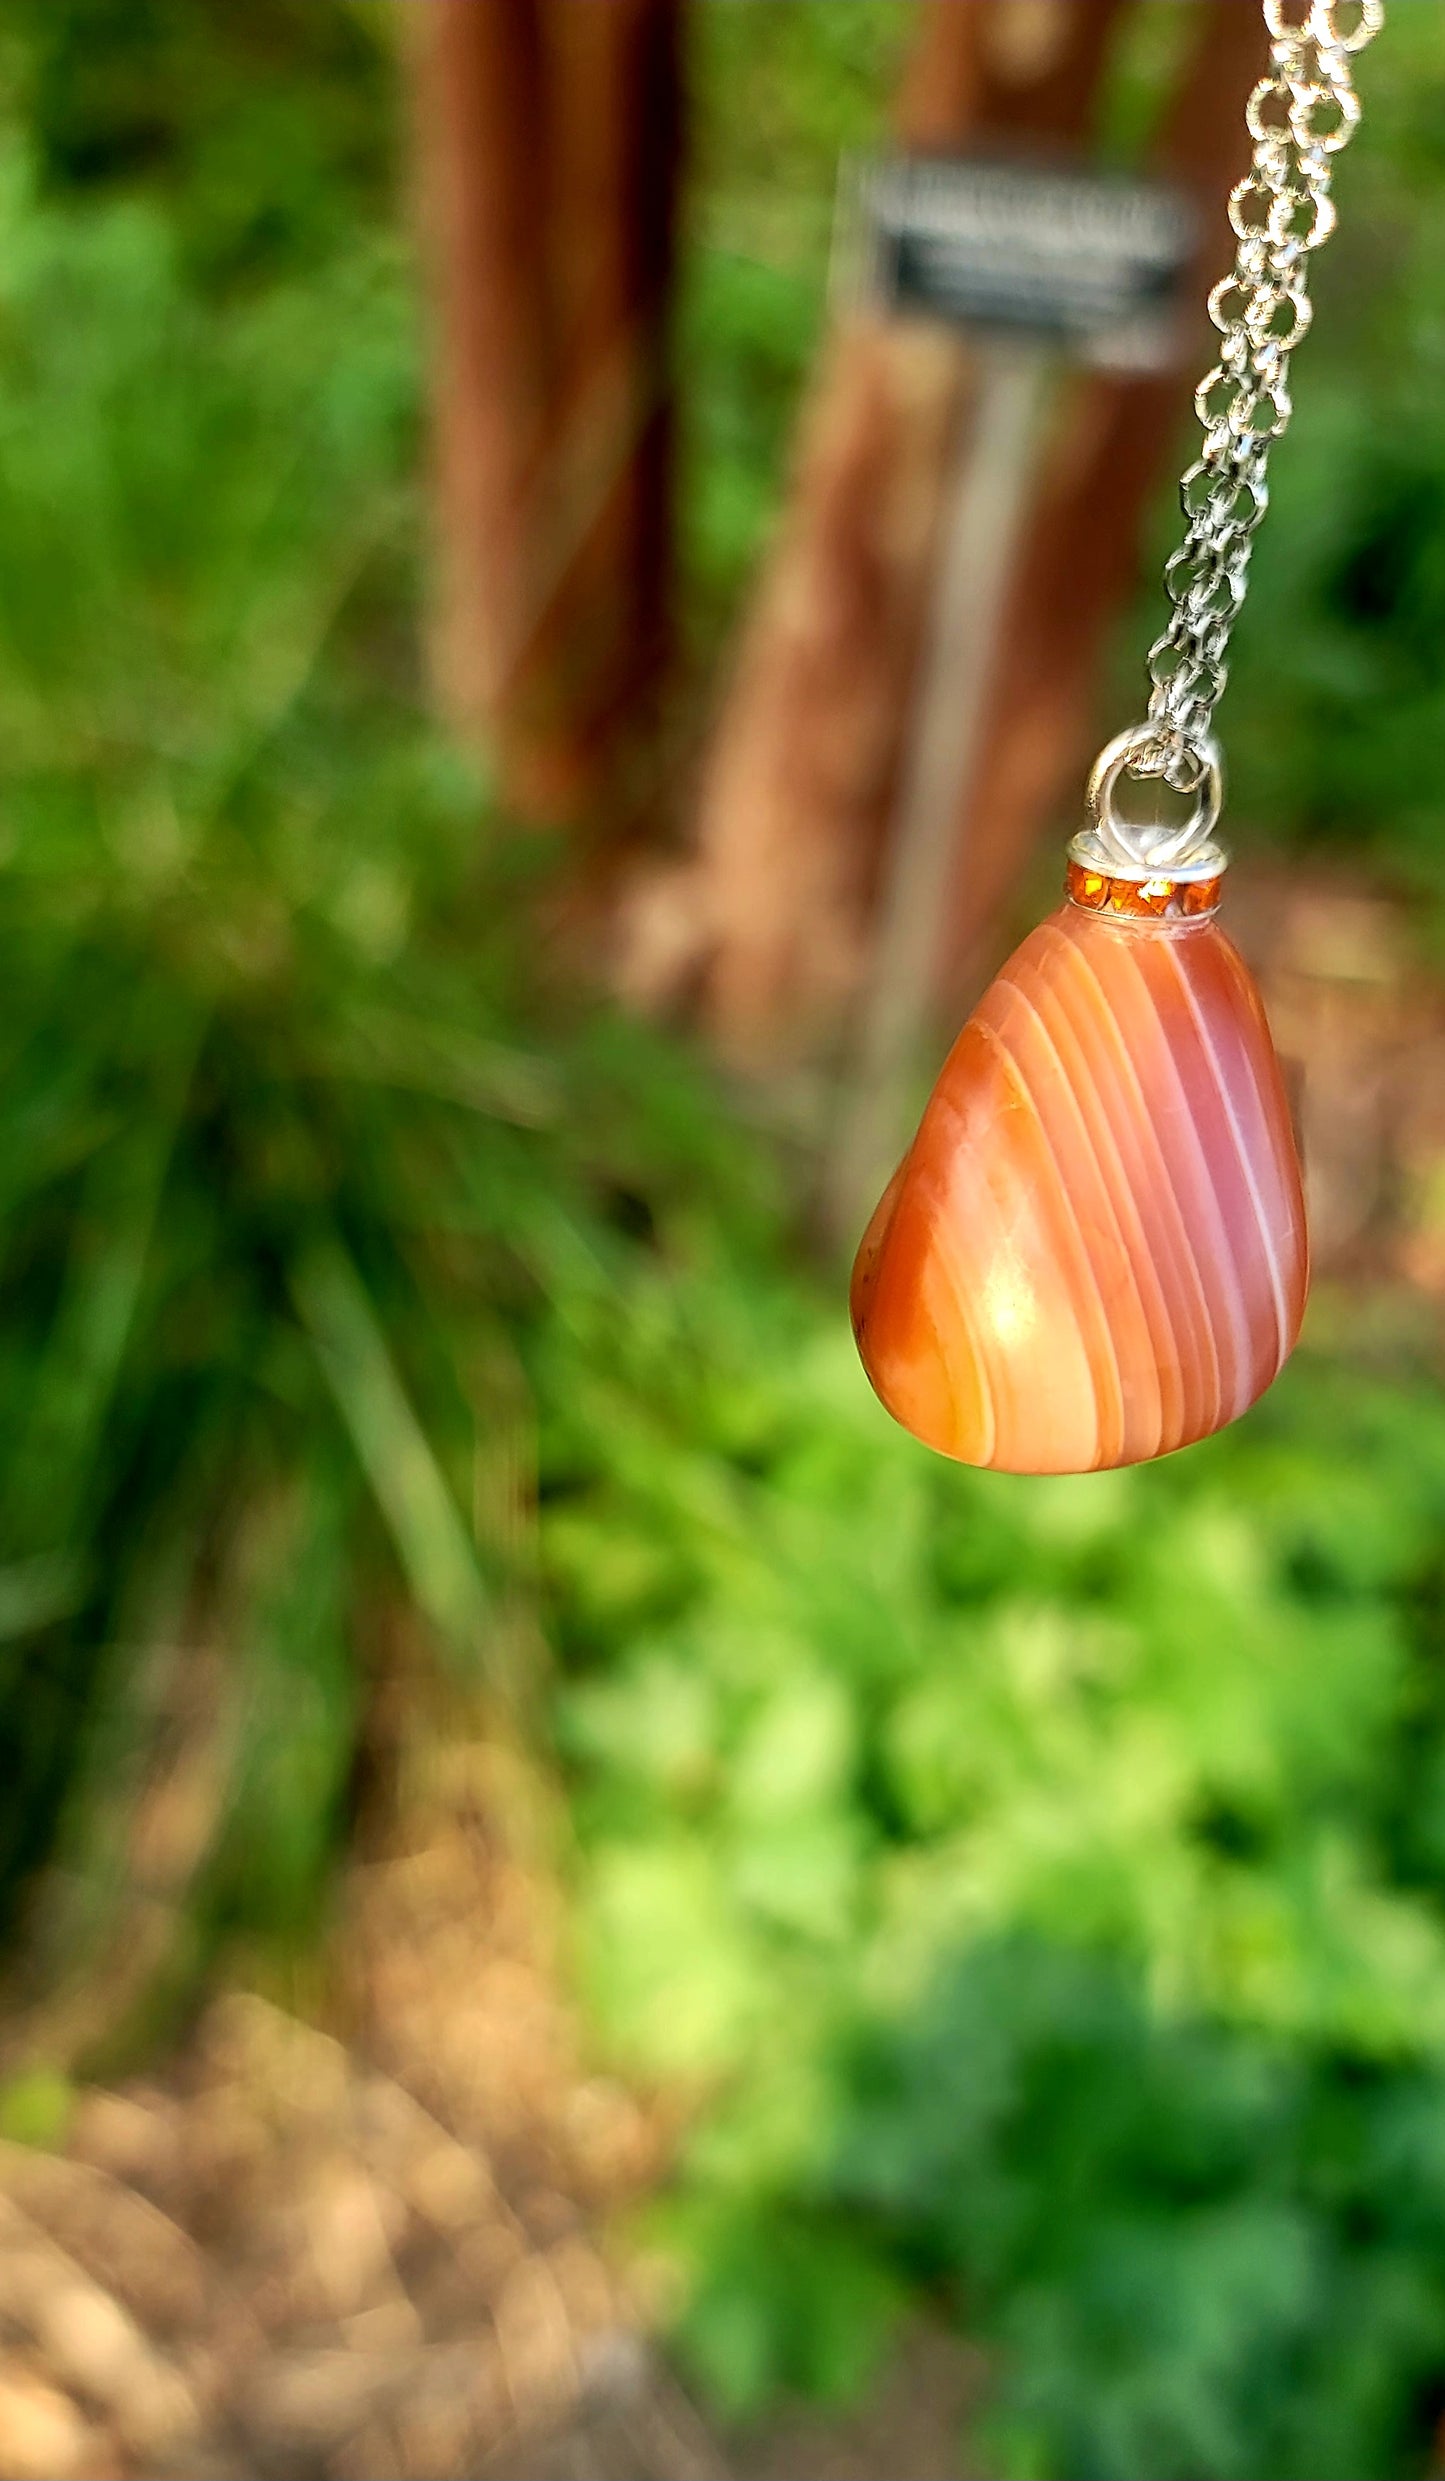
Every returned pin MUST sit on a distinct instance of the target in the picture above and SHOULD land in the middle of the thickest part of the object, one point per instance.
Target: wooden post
(991, 483)
(547, 143)
(1079, 560)
(770, 926)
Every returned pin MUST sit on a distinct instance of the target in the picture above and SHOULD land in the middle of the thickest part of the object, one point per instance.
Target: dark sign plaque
(1081, 260)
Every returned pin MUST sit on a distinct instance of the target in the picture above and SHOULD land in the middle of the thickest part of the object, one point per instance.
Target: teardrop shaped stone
(1094, 1250)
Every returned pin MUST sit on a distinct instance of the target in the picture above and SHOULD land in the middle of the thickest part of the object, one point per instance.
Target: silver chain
(1299, 117)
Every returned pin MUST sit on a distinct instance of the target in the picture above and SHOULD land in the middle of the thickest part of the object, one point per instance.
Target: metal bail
(1151, 849)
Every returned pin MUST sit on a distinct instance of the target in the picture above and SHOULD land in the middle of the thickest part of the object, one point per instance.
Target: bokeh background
(573, 1902)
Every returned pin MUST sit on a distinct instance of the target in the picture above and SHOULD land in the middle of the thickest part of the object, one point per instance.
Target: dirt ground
(384, 2248)
(380, 2250)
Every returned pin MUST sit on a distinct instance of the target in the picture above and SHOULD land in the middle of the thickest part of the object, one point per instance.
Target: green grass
(287, 1154)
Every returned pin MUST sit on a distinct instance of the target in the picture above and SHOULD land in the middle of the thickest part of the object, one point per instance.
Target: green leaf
(431, 1540)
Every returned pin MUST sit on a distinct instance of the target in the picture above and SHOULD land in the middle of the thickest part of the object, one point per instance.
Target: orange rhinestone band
(1167, 900)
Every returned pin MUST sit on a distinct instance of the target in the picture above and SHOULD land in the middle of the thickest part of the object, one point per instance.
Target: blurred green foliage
(210, 845)
(774, 94)
(1037, 1888)
(1044, 1885)
(285, 1163)
(268, 130)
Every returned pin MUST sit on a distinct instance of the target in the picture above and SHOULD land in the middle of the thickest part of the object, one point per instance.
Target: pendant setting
(1094, 1251)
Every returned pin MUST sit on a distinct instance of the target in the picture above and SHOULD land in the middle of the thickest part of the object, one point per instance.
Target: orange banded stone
(1094, 1250)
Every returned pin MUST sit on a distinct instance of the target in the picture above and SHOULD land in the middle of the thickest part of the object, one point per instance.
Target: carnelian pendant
(1094, 1250)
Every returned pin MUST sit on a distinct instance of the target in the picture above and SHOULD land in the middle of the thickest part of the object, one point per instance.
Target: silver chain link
(1299, 117)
